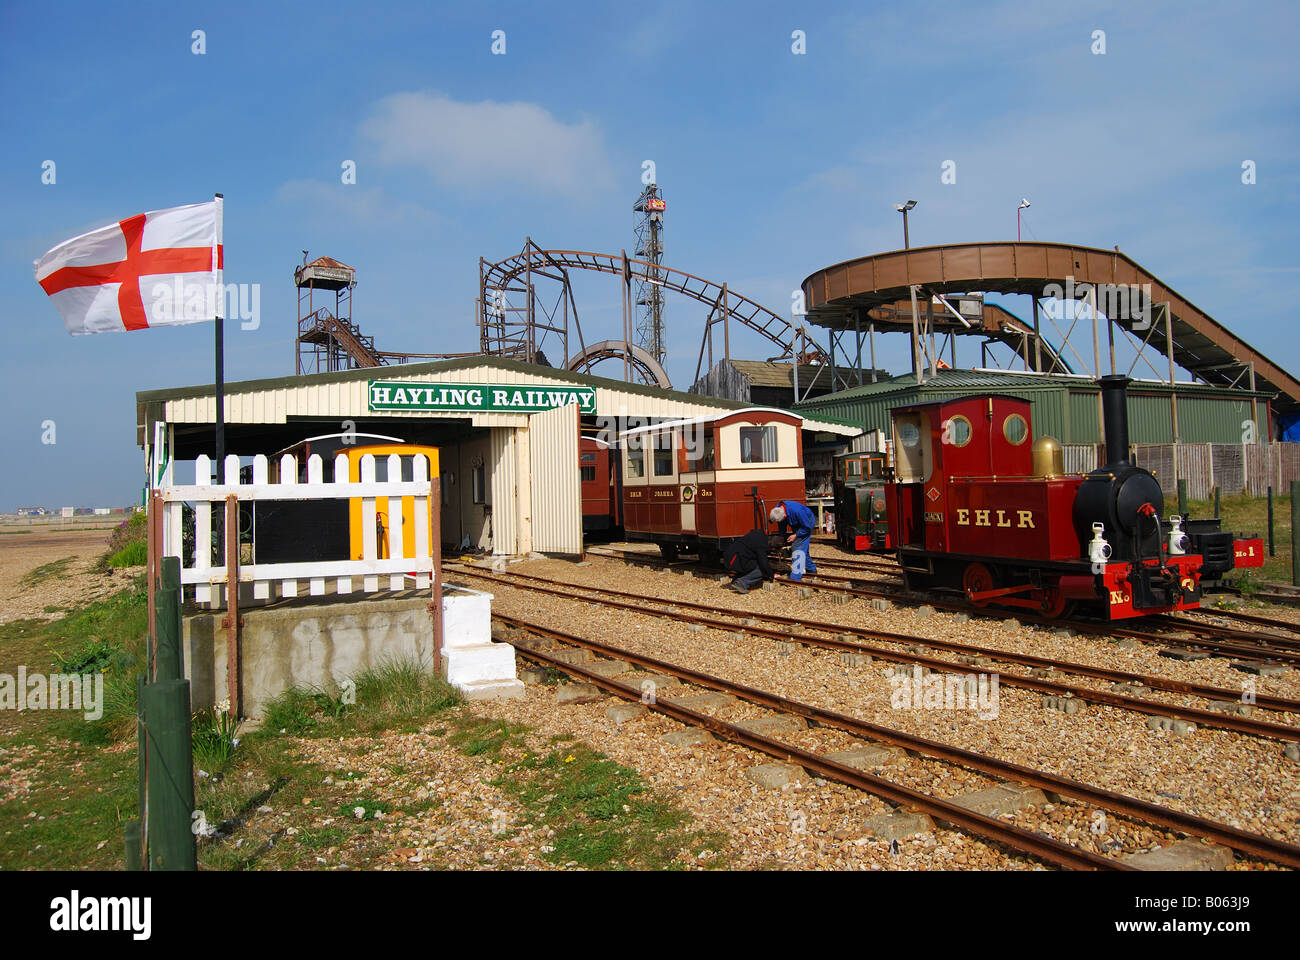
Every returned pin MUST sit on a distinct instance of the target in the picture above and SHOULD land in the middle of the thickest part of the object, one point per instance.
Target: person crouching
(746, 561)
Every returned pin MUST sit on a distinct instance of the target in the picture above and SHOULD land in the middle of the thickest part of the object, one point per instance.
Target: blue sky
(773, 164)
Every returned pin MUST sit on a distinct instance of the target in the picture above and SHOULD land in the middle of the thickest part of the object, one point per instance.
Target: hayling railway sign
(475, 397)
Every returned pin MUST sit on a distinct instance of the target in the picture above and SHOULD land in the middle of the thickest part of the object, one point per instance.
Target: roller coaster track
(844, 293)
(495, 337)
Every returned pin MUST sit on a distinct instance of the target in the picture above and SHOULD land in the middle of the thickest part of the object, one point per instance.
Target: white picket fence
(208, 579)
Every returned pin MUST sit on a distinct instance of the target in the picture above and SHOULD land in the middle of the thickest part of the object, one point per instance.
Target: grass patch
(603, 815)
(132, 555)
(73, 780)
(398, 696)
(1244, 514)
(46, 571)
(212, 735)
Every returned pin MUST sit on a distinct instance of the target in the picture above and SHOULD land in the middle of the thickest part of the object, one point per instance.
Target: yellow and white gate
(556, 500)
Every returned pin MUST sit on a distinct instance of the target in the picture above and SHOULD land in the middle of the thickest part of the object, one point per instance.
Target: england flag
(154, 269)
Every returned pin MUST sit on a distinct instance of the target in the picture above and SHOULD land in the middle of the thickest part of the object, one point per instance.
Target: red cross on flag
(154, 269)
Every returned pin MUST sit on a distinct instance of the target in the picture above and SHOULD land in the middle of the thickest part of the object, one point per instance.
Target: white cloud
(489, 144)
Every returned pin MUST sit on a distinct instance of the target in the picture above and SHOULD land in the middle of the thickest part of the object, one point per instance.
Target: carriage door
(556, 481)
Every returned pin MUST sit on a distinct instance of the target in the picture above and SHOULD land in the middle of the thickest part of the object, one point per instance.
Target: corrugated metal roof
(342, 393)
(1064, 407)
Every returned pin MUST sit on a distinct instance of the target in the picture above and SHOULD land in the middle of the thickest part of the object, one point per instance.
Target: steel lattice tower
(649, 284)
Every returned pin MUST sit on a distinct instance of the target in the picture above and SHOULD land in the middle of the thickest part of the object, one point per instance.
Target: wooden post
(231, 621)
(1272, 552)
(171, 775)
(154, 522)
(168, 660)
(1295, 533)
(435, 511)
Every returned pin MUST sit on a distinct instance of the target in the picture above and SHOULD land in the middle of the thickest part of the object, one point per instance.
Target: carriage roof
(711, 418)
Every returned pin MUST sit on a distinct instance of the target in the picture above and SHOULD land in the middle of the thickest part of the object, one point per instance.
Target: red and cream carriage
(696, 484)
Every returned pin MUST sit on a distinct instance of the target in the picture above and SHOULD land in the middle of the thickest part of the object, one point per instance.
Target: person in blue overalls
(801, 521)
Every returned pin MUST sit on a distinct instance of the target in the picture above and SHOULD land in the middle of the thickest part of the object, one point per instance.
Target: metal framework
(513, 319)
(328, 339)
(1149, 314)
(649, 283)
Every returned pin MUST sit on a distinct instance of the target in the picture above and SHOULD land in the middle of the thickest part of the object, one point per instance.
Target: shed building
(507, 432)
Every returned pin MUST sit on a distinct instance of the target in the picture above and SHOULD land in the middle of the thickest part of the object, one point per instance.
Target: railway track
(1233, 642)
(1239, 643)
(784, 628)
(1027, 841)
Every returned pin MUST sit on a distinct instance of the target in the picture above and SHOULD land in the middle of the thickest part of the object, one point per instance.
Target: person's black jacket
(748, 553)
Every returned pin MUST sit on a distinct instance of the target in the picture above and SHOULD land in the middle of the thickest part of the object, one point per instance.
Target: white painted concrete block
(478, 666)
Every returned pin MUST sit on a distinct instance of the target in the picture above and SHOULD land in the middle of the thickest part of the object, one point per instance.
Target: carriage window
(635, 464)
(664, 462)
(1015, 429)
(758, 445)
(588, 458)
(701, 455)
(588, 474)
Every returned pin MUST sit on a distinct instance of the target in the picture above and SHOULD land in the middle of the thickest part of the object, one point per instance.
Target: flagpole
(220, 380)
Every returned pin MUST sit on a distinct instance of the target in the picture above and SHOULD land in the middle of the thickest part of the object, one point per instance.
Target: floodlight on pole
(903, 208)
(1023, 205)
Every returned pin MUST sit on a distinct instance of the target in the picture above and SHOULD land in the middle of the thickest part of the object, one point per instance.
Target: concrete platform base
(1184, 855)
(493, 690)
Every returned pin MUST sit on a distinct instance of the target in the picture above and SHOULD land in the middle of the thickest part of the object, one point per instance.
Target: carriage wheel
(976, 579)
(669, 551)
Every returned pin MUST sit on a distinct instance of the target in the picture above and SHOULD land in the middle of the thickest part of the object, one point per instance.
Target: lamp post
(1023, 205)
(903, 208)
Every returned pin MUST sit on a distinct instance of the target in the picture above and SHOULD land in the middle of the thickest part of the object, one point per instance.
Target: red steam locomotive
(976, 505)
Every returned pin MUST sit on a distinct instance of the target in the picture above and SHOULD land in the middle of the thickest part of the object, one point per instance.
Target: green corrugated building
(1066, 407)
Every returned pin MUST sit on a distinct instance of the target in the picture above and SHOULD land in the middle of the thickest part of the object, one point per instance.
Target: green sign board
(475, 397)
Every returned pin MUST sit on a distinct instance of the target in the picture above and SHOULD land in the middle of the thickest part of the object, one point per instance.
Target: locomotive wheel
(1054, 605)
(976, 579)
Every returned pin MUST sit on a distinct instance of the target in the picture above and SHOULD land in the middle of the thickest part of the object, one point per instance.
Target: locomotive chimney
(1114, 416)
